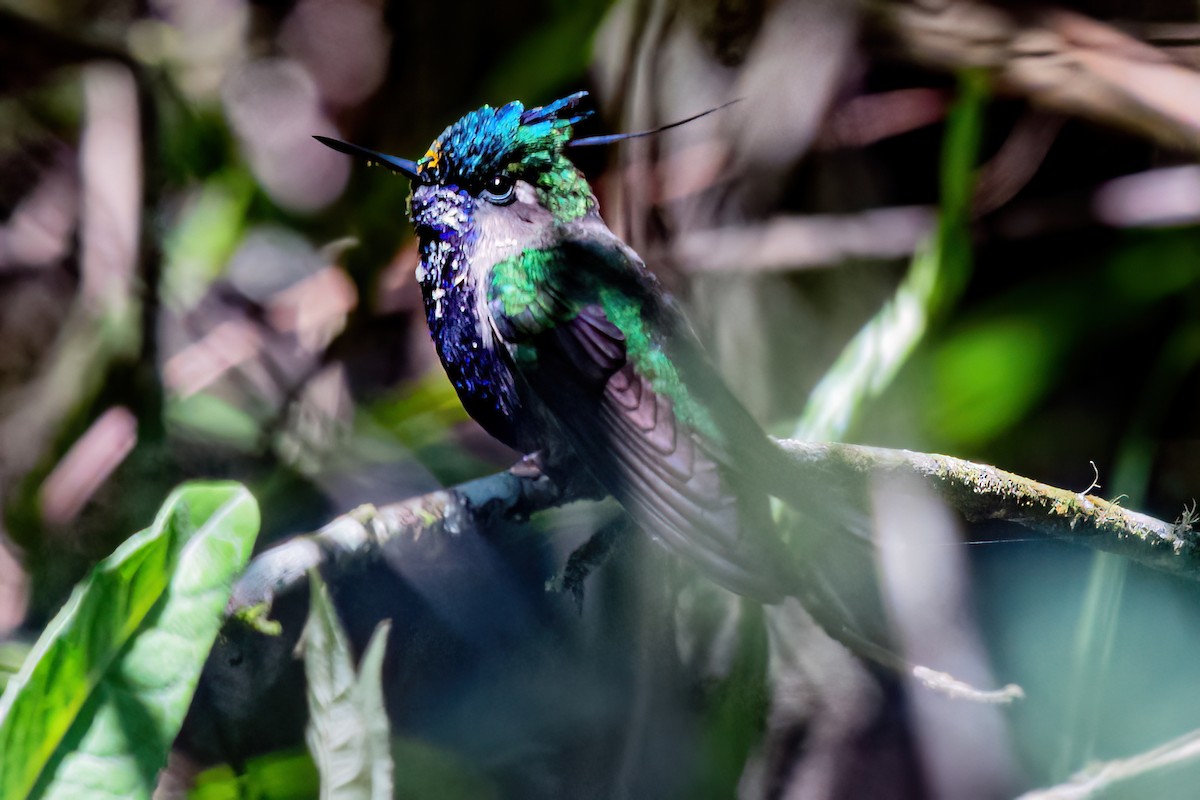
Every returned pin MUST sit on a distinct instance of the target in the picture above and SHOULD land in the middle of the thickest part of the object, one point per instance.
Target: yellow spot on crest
(432, 156)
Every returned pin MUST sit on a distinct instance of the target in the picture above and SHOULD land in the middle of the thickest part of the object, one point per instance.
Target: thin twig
(1092, 780)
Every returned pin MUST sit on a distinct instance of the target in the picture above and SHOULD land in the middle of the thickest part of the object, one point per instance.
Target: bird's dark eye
(500, 189)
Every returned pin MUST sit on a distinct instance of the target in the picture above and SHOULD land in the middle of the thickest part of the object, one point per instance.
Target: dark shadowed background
(190, 286)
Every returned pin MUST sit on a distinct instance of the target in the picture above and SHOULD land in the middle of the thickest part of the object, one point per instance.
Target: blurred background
(955, 226)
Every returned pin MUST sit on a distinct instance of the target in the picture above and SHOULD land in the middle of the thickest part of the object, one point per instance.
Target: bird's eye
(500, 189)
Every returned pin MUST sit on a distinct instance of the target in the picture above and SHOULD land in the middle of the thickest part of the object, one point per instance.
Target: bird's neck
(455, 309)
(564, 191)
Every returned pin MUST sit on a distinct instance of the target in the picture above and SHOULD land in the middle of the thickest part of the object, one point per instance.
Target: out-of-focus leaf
(94, 710)
(419, 418)
(12, 656)
(194, 140)
(348, 732)
(938, 273)
(737, 710)
(430, 773)
(213, 419)
(197, 248)
(1155, 265)
(288, 775)
(988, 377)
(421, 414)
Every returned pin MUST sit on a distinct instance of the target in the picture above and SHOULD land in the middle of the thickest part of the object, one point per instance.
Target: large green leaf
(94, 709)
(348, 731)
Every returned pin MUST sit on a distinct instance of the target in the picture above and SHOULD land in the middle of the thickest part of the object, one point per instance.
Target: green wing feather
(622, 378)
(600, 329)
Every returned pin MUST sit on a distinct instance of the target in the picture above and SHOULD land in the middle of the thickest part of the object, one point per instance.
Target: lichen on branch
(977, 491)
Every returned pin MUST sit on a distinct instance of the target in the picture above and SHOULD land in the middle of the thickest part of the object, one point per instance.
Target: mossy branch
(977, 491)
(423, 522)
(982, 492)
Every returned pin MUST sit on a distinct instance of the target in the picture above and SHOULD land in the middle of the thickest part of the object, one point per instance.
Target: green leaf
(988, 376)
(433, 773)
(347, 732)
(209, 418)
(736, 711)
(430, 773)
(199, 246)
(554, 53)
(286, 775)
(415, 422)
(1175, 255)
(12, 656)
(939, 271)
(94, 709)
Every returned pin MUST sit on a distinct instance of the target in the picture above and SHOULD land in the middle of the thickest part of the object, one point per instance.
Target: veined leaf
(95, 707)
(348, 733)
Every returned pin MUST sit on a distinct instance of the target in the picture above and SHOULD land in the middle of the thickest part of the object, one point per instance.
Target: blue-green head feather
(511, 139)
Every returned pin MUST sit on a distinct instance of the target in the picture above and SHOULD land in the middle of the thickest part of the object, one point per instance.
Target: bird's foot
(588, 557)
(530, 466)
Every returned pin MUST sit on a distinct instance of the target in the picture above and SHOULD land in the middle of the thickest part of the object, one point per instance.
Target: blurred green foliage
(987, 378)
(1038, 356)
(427, 773)
(936, 277)
(199, 245)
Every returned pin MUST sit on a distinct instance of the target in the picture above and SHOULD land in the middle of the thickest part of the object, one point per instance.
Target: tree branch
(981, 492)
(977, 491)
(1095, 778)
(421, 521)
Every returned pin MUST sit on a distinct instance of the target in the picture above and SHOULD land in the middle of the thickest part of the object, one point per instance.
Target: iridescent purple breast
(476, 368)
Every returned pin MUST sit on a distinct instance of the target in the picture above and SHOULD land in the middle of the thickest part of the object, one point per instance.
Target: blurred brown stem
(1060, 60)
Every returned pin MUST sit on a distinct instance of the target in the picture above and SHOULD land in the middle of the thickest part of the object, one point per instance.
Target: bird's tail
(826, 530)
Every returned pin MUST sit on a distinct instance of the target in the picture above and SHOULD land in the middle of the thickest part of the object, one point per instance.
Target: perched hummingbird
(558, 339)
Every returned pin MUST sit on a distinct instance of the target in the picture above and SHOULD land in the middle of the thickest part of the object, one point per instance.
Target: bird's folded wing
(631, 435)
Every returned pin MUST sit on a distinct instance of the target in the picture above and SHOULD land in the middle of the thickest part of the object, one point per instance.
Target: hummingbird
(560, 341)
